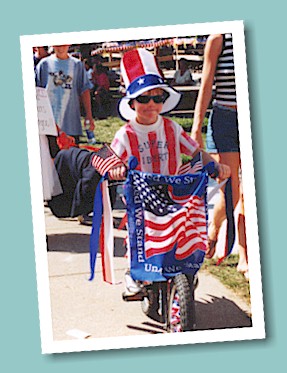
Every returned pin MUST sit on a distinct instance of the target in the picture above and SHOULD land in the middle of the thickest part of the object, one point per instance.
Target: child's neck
(62, 56)
(146, 122)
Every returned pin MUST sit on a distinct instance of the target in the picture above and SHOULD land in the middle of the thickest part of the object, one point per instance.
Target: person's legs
(242, 247)
(232, 159)
(222, 142)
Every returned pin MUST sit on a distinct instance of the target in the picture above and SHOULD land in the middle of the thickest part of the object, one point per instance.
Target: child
(155, 141)
(66, 81)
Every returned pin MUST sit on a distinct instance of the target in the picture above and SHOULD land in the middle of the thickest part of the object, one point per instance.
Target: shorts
(222, 130)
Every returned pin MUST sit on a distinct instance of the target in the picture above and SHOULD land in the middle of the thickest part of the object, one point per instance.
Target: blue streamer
(97, 221)
(229, 216)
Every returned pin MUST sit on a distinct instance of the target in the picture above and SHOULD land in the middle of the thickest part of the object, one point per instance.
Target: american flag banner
(105, 159)
(167, 224)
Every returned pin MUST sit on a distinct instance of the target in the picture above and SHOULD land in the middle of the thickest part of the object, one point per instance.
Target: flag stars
(141, 81)
(153, 197)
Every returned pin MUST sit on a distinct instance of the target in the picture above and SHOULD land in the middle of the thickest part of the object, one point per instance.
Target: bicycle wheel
(181, 308)
(153, 305)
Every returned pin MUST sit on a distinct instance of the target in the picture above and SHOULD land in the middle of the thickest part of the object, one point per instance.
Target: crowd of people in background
(99, 76)
(102, 78)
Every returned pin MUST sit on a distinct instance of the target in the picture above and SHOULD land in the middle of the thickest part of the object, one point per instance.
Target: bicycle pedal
(134, 297)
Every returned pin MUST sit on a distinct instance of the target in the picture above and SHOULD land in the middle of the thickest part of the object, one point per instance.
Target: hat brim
(127, 113)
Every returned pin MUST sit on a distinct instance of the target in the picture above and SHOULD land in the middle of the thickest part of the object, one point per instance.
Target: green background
(265, 29)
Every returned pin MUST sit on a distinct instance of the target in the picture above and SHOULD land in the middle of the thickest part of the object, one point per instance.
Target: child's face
(61, 51)
(147, 113)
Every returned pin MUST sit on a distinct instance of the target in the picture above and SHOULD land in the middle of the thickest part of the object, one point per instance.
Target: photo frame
(75, 338)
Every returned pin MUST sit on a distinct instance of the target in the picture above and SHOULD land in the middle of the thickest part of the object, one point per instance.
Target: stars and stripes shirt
(157, 147)
(225, 89)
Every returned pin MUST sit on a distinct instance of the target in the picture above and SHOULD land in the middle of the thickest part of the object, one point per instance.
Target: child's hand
(91, 120)
(118, 173)
(223, 171)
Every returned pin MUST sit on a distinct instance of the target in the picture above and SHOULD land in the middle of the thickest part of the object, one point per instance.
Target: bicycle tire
(151, 303)
(181, 308)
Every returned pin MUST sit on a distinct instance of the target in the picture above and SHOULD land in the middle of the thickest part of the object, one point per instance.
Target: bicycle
(167, 287)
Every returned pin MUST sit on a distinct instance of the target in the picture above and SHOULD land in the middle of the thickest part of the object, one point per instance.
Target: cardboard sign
(46, 122)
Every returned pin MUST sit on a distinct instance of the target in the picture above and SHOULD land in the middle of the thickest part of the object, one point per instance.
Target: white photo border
(257, 331)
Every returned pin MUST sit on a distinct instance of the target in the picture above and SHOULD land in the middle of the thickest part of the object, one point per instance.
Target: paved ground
(96, 308)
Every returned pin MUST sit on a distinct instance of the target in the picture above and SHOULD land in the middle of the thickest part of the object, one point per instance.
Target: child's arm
(119, 148)
(223, 170)
(86, 100)
(191, 147)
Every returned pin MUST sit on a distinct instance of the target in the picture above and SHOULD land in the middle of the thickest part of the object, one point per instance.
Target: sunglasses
(158, 99)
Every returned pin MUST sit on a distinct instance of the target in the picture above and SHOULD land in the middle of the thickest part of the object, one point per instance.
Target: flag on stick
(105, 159)
(192, 167)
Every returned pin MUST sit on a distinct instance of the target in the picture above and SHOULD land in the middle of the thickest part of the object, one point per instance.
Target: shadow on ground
(79, 243)
(218, 313)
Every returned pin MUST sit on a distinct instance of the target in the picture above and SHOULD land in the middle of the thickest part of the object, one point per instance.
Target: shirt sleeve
(84, 83)
(119, 147)
(188, 146)
(187, 76)
(41, 74)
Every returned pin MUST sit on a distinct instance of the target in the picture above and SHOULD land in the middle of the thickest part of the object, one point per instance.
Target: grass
(227, 273)
(105, 129)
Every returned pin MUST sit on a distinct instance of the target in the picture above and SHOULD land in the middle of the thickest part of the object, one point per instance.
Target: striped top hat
(141, 73)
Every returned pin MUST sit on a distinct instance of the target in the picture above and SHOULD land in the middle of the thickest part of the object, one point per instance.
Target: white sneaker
(132, 286)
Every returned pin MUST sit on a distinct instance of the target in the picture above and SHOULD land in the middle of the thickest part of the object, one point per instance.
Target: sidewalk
(96, 308)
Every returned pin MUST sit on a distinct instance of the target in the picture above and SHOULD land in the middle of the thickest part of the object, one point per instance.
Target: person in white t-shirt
(67, 84)
(183, 75)
(89, 70)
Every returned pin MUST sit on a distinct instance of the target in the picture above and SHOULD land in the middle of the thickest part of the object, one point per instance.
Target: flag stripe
(104, 160)
(154, 153)
(133, 141)
(199, 245)
(107, 238)
(181, 227)
(190, 246)
(164, 222)
(170, 137)
(184, 250)
(150, 234)
(189, 169)
(133, 66)
(185, 143)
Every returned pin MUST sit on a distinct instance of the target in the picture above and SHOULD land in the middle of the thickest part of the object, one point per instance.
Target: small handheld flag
(105, 159)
